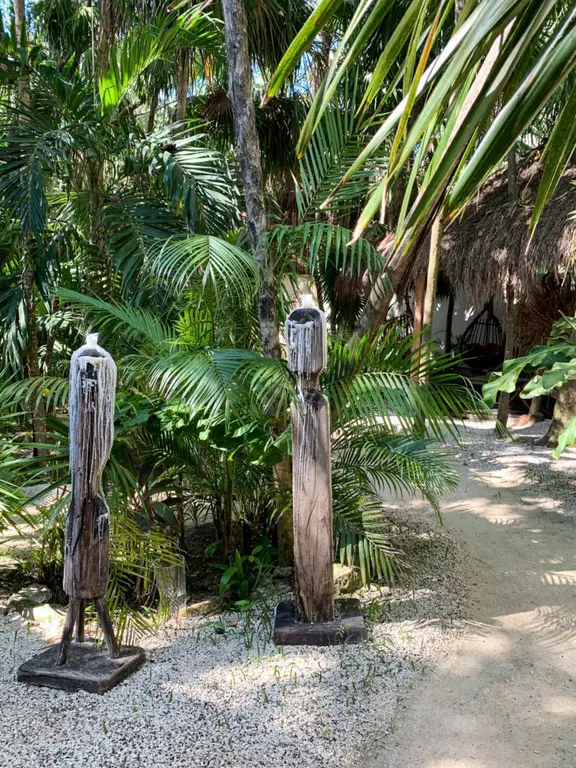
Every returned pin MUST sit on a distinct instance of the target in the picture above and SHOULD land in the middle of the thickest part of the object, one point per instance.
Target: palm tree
(135, 228)
(438, 62)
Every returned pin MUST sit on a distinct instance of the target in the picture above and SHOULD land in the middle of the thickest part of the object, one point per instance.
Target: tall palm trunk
(153, 109)
(419, 297)
(20, 27)
(97, 193)
(432, 279)
(182, 82)
(511, 312)
(248, 150)
(106, 33)
(448, 326)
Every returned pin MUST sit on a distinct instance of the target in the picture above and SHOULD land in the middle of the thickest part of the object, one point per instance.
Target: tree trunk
(95, 178)
(106, 33)
(396, 199)
(285, 528)
(419, 296)
(448, 327)
(511, 312)
(28, 264)
(182, 81)
(20, 27)
(153, 109)
(432, 279)
(248, 150)
(32, 351)
(564, 412)
(534, 410)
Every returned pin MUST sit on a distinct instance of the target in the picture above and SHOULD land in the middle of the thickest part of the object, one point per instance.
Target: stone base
(87, 669)
(348, 627)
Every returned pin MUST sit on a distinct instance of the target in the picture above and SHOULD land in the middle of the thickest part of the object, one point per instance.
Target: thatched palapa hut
(487, 253)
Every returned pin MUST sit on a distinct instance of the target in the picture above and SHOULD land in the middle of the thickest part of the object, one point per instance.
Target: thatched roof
(485, 247)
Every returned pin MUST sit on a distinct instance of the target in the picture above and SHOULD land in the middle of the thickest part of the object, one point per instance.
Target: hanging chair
(405, 323)
(482, 343)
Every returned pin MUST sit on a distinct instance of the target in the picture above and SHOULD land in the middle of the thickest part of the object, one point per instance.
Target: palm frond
(134, 322)
(135, 227)
(381, 379)
(198, 179)
(131, 56)
(208, 263)
(208, 380)
(321, 244)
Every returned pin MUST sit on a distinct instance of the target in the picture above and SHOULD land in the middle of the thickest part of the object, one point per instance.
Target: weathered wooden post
(87, 542)
(311, 618)
(311, 469)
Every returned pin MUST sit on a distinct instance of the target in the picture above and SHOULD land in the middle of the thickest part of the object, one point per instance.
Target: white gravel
(234, 700)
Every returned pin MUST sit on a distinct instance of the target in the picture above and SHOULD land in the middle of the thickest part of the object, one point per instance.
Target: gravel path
(233, 699)
(504, 697)
(524, 463)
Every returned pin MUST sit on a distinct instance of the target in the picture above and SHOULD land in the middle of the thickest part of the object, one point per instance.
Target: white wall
(464, 312)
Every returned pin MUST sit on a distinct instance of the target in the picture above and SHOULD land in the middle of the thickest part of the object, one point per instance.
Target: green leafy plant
(551, 366)
(240, 580)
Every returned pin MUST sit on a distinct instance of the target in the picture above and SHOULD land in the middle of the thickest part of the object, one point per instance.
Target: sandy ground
(504, 696)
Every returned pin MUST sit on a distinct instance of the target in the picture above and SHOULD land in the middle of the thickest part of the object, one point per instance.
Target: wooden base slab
(348, 627)
(87, 669)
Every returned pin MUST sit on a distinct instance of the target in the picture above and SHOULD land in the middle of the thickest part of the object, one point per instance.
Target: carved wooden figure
(86, 558)
(311, 470)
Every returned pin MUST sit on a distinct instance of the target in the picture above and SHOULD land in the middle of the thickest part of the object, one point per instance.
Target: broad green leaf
(556, 376)
(566, 438)
(547, 356)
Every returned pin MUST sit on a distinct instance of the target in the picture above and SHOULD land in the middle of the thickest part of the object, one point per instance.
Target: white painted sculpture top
(306, 342)
(92, 373)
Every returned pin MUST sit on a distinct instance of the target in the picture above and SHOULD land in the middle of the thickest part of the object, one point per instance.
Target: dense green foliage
(549, 365)
(121, 212)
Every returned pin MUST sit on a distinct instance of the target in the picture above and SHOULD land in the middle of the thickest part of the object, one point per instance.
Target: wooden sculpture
(311, 470)
(312, 618)
(86, 555)
(82, 665)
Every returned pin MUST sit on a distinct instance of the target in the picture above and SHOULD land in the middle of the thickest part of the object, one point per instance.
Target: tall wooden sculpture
(81, 665)
(86, 556)
(311, 469)
(311, 618)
